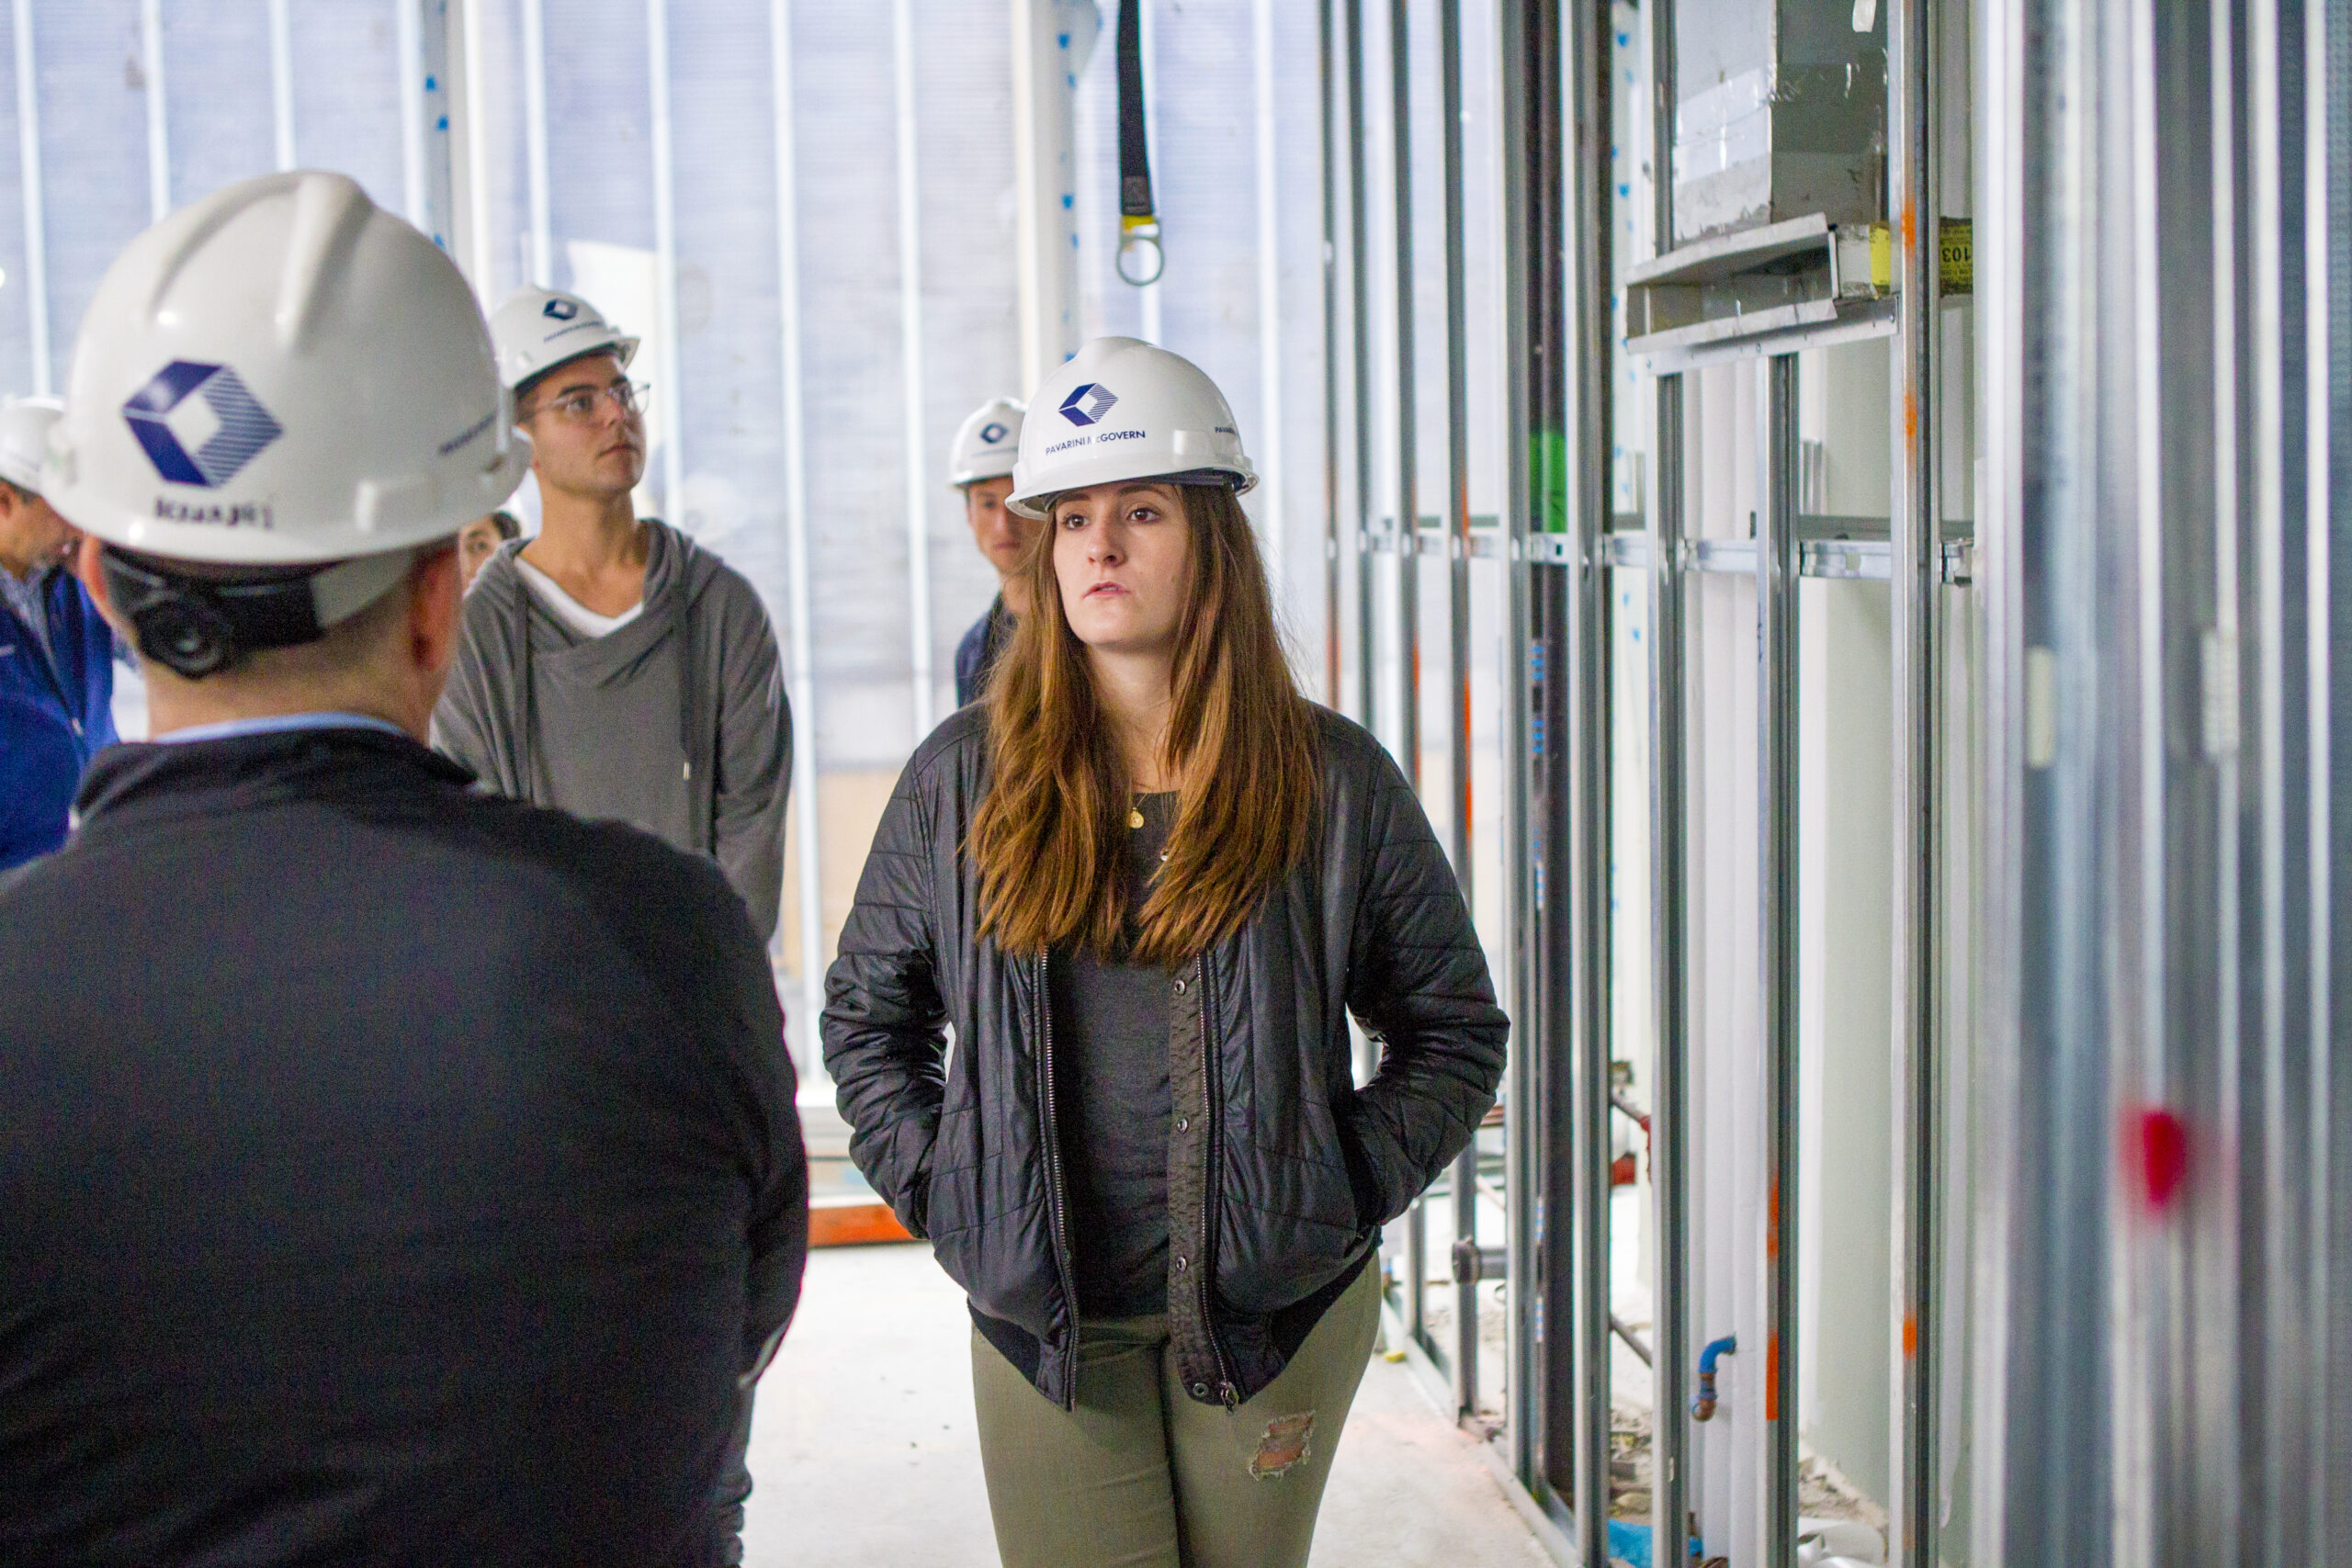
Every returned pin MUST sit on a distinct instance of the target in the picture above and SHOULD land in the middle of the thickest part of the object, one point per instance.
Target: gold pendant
(1135, 816)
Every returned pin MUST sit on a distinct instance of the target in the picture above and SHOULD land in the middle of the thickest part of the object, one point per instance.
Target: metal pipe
(159, 139)
(1672, 1482)
(1326, 82)
(1777, 974)
(281, 83)
(799, 598)
(1360, 326)
(35, 207)
(1148, 298)
(1585, 825)
(1457, 523)
(910, 370)
(1916, 566)
(1272, 473)
(535, 141)
(1633, 1341)
(665, 261)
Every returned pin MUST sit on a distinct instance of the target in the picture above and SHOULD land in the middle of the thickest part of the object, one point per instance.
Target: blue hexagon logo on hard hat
(1088, 403)
(560, 308)
(200, 424)
(992, 433)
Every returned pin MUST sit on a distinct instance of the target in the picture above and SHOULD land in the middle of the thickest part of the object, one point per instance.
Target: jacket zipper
(1226, 1392)
(1057, 1199)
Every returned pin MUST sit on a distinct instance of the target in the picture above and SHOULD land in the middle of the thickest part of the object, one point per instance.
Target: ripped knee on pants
(1284, 1445)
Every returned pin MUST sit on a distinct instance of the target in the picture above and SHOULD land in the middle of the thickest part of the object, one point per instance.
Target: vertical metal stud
(1917, 572)
(159, 137)
(1408, 514)
(535, 141)
(799, 594)
(1360, 328)
(1328, 82)
(1274, 474)
(1528, 53)
(1776, 613)
(665, 261)
(1457, 530)
(1584, 1288)
(35, 206)
(281, 83)
(910, 370)
(1671, 1483)
(1669, 985)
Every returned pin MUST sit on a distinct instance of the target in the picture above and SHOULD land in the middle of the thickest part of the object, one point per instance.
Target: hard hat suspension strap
(198, 627)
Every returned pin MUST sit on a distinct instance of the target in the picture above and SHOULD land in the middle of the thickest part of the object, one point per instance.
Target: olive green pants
(1141, 1475)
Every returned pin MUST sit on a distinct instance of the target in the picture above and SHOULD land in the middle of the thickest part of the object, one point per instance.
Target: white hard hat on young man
(1121, 409)
(538, 329)
(986, 444)
(282, 374)
(24, 439)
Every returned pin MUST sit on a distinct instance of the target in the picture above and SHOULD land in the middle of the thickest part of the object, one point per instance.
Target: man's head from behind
(387, 658)
(282, 409)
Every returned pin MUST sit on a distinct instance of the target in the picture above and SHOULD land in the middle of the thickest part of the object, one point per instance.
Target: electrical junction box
(1780, 113)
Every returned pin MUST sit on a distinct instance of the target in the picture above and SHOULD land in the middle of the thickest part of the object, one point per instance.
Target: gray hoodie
(675, 723)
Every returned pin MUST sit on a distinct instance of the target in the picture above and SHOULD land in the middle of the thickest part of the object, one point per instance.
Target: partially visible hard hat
(281, 374)
(986, 444)
(24, 438)
(1119, 410)
(538, 329)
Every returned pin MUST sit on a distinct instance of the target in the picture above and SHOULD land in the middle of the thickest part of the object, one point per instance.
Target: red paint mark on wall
(1910, 1336)
(1772, 1377)
(2161, 1149)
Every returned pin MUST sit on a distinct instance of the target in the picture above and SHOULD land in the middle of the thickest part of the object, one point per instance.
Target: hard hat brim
(625, 348)
(1118, 468)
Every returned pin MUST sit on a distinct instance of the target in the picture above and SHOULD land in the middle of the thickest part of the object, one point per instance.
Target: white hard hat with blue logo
(1121, 409)
(986, 444)
(24, 438)
(538, 329)
(281, 374)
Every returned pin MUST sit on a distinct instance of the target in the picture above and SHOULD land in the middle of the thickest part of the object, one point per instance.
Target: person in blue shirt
(979, 465)
(56, 651)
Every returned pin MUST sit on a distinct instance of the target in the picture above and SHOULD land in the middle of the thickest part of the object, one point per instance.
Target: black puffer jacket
(1306, 1168)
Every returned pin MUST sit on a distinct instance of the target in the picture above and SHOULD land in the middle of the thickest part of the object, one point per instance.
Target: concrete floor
(864, 1453)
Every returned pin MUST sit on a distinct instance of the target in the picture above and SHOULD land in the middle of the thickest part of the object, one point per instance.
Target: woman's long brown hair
(1047, 839)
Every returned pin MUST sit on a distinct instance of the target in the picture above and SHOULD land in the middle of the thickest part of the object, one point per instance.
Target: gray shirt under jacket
(675, 723)
(1111, 1070)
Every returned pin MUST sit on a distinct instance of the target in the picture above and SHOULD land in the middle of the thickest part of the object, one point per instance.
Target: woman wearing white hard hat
(1148, 882)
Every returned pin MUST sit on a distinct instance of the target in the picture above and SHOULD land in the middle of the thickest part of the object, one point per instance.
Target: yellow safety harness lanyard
(1140, 258)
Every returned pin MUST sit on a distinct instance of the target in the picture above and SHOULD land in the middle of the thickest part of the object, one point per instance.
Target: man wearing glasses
(612, 667)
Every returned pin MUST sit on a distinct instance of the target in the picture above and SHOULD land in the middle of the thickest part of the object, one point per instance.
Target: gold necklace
(1135, 813)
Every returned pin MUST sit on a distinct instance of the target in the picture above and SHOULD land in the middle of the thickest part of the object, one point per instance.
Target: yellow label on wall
(1956, 256)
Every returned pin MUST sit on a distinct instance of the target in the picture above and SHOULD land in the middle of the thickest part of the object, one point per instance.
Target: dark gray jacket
(389, 1173)
(675, 723)
(1279, 1185)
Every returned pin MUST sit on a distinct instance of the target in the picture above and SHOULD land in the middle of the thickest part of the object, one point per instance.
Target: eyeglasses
(579, 407)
